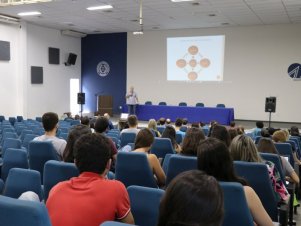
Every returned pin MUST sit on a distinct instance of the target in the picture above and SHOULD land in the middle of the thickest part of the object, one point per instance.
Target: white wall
(256, 62)
(29, 47)
(11, 75)
(54, 93)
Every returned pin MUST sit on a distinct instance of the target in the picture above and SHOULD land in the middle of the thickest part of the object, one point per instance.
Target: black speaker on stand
(270, 106)
(81, 99)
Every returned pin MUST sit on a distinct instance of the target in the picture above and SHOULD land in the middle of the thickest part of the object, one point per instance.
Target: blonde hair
(152, 124)
(279, 136)
(287, 134)
(243, 148)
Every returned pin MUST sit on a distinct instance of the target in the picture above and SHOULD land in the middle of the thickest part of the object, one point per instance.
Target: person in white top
(133, 124)
(131, 101)
(50, 123)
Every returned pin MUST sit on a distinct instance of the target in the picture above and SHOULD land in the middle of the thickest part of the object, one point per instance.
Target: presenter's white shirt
(131, 98)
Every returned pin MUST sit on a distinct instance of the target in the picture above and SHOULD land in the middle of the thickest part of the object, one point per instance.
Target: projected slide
(195, 58)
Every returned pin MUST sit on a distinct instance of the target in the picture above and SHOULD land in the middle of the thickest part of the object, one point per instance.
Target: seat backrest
(19, 118)
(15, 212)
(179, 138)
(162, 103)
(22, 180)
(183, 104)
(257, 139)
(184, 129)
(10, 143)
(178, 164)
(148, 103)
(235, 204)
(24, 132)
(161, 147)
(27, 139)
(132, 168)
(126, 138)
(114, 223)
(206, 131)
(166, 162)
(39, 152)
(64, 136)
(297, 141)
(55, 172)
(12, 120)
(261, 184)
(161, 129)
(285, 149)
(200, 105)
(274, 158)
(9, 130)
(220, 106)
(14, 158)
(145, 204)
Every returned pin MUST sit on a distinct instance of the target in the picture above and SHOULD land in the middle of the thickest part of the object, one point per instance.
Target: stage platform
(194, 114)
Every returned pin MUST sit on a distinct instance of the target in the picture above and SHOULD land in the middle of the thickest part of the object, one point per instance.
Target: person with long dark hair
(170, 132)
(214, 159)
(192, 198)
(191, 140)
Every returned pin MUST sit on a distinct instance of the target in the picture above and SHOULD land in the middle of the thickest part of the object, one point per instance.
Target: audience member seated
(133, 124)
(74, 133)
(170, 133)
(161, 122)
(211, 125)
(266, 145)
(280, 136)
(50, 123)
(152, 125)
(195, 125)
(192, 198)
(191, 140)
(68, 116)
(294, 131)
(143, 143)
(178, 125)
(101, 126)
(265, 133)
(221, 133)
(232, 132)
(214, 159)
(110, 122)
(185, 122)
(92, 124)
(240, 130)
(243, 148)
(232, 124)
(85, 121)
(81, 200)
(168, 121)
(257, 130)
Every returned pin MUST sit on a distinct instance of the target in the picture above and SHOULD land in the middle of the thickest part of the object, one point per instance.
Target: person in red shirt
(89, 199)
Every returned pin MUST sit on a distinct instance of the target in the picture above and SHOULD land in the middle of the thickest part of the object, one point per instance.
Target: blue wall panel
(111, 48)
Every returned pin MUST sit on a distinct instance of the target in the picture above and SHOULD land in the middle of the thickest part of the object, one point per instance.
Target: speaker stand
(270, 116)
(81, 111)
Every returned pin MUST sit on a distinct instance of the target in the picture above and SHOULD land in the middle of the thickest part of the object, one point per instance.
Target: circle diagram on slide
(193, 63)
(196, 58)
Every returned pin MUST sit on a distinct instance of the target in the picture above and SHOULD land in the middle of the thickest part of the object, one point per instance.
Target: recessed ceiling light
(33, 13)
(182, 0)
(100, 7)
(138, 33)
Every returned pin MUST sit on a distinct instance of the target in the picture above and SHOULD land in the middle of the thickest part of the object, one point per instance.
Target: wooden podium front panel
(105, 105)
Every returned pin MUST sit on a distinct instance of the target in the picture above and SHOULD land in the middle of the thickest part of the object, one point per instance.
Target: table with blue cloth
(194, 114)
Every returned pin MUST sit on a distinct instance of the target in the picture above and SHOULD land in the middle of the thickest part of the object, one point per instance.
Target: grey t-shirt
(130, 130)
(58, 144)
(287, 168)
(131, 98)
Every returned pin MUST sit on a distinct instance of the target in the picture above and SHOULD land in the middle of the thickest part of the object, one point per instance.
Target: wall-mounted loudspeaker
(81, 98)
(71, 59)
(270, 104)
(54, 55)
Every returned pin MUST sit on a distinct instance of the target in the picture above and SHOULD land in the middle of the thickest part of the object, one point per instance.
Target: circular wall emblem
(103, 68)
(294, 71)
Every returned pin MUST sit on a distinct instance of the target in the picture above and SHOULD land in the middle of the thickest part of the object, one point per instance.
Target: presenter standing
(131, 101)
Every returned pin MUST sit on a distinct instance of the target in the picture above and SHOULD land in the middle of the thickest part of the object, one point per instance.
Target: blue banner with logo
(294, 71)
(104, 69)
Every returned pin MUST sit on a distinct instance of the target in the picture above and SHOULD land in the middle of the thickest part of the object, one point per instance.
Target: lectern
(105, 105)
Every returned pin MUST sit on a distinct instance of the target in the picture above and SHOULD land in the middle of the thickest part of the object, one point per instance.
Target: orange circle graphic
(192, 63)
(192, 76)
(193, 50)
(205, 62)
(181, 63)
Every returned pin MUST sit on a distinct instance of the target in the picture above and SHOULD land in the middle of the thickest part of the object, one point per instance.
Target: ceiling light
(34, 13)
(138, 33)
(182, 0)
(100, 7)
(20, 2)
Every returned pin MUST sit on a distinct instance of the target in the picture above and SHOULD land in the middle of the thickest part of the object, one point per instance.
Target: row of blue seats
(184, 104)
